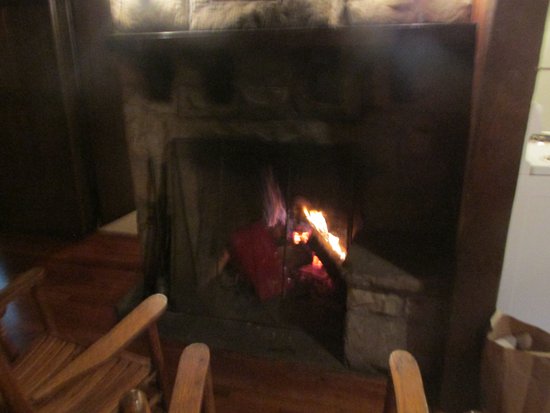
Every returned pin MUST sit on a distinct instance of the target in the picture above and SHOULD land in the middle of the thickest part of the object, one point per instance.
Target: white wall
(525, 283)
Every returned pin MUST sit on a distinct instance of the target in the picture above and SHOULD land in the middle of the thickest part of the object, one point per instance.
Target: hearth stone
(382, 11)
(254, 14)
(408, 11)
(137, 15)
(163, 15)
(457, 11)
(289, 344)
(388, 309)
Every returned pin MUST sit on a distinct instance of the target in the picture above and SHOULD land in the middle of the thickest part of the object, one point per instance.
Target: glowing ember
(316, 262)
(317, 219)
(300, 237)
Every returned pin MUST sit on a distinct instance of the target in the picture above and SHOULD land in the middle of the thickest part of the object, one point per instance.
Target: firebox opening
(255, 255)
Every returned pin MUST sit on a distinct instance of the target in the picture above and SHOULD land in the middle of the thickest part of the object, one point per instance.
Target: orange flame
(300, 237)
(317, 219)
(316, 262)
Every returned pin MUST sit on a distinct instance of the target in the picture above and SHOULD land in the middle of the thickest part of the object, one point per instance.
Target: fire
(316, 262)
(300, 237)
(274, 203)
(317, 219)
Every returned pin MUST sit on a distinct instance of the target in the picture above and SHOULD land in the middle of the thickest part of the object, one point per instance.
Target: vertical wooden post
(505, 77)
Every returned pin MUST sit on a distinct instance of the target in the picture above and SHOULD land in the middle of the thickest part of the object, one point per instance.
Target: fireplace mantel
(364, 36)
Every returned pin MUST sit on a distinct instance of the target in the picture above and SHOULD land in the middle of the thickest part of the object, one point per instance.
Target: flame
(300, 237)
(317, 219)
(316, 262)
(274, 203)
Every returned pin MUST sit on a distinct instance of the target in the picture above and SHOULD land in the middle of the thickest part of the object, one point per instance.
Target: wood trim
(69, 80)
(157, 358)
(101, 108)
(352, 36)
(482, 14)
(506, 76)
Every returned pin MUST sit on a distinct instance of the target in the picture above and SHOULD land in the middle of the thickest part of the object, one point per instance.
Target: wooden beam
(506, 75)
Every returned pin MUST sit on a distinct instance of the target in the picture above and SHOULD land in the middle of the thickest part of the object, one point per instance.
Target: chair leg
(135, 401)
(158, 362)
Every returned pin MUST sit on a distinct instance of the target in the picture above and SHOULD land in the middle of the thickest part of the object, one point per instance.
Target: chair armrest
(123, 333)
(22, 284)
(193, 381)
(407, 383)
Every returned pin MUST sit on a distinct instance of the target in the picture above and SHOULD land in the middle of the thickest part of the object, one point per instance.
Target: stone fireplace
(367, 123)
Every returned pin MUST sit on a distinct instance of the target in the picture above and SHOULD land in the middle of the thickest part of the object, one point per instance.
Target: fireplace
(368, 124)
(242, 246)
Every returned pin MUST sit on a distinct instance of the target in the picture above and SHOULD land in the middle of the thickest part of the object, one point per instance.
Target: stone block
(367, 270)
(151, 15)
(369, 339)
(255, 14)
(382, 11)
(445, 11)
(378, 303)
(409, 11)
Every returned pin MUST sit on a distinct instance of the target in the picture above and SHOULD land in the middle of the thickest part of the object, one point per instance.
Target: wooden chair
(193, 390)
(56, 375)
(406, 394)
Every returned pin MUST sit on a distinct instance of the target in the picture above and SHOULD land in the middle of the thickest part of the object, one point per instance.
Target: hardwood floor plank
(86, 279)
(298, 383)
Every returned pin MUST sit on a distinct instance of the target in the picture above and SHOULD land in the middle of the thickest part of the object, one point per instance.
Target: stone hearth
(389, 308)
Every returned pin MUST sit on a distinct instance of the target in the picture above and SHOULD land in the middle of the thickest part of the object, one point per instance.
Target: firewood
(330, 260)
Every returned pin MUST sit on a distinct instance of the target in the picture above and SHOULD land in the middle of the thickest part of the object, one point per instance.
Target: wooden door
(102, 103)
(43, 182)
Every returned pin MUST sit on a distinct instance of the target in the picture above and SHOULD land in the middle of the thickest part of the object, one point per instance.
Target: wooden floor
(88, 278)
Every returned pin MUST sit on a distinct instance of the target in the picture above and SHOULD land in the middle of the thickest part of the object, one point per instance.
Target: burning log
(296, 256)
(326, 245)
(316, 275)
(330, 259)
